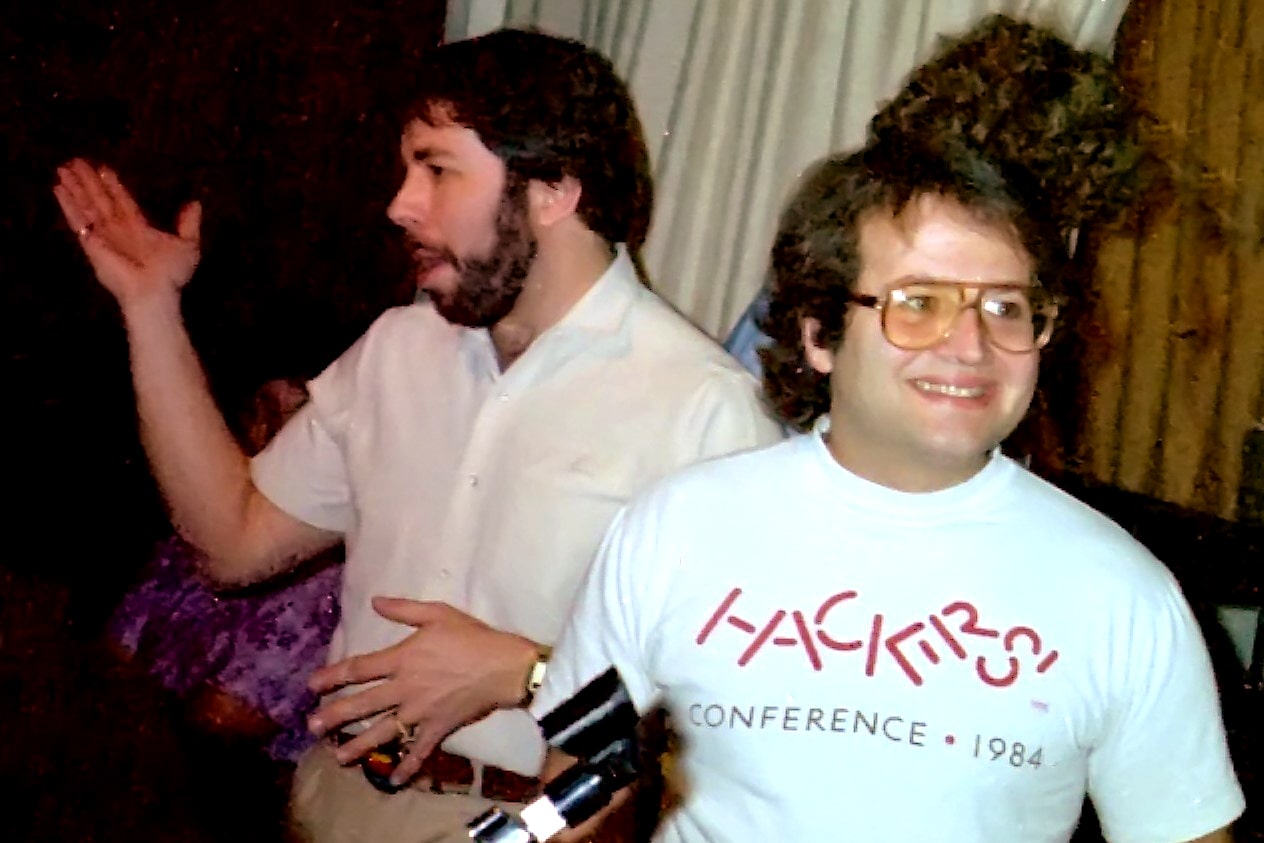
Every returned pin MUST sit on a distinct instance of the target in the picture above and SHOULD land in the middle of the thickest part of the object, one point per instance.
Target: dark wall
(281, 117)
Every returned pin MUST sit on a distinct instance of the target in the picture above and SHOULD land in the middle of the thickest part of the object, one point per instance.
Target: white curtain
(739, 96)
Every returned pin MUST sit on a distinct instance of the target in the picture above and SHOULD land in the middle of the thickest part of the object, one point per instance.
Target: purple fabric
(258, 644)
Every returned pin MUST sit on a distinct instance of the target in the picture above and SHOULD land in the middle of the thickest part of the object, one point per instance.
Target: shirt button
(473, 480)
(444, 573)
(504, 396)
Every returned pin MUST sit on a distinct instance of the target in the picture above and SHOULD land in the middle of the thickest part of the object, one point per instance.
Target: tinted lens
(1018, 318)
(919, 315)
(1008, 314)
(1015, 317)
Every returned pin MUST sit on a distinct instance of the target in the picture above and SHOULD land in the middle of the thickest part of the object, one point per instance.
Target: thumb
(189, 221)
(403, 610)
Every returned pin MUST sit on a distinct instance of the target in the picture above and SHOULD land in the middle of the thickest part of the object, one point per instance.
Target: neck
(903, 472)
(563, 272)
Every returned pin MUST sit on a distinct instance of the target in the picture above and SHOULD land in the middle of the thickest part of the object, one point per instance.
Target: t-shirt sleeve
(303, 469)
(1161, 771)
(609, 620)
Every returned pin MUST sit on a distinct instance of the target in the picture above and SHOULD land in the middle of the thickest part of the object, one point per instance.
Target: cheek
(1022, 374)
(903, 364)
(869, 373)
(468, 225)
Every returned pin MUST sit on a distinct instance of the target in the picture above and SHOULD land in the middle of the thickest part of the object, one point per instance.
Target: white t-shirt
(848, 662)
(454, 481)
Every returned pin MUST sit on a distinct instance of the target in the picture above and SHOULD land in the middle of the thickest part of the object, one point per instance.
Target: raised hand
(453, 670)
(132, 259)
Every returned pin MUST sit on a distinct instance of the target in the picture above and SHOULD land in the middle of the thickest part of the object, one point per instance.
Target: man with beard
(471, 450)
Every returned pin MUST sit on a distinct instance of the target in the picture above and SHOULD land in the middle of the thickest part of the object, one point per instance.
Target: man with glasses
(885, 629)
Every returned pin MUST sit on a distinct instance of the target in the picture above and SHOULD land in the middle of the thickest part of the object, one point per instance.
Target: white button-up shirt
(491, 490)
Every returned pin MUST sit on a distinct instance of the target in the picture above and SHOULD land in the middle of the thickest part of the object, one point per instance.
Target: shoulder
(1039, 501)
(689, 369)
(702, 513)
(662, 333)
(391, 346)
(722, 486)
(384, 362)
(1087, 544)
(409, 324)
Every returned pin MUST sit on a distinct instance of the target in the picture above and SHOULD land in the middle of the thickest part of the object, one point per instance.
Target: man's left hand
(453, 670)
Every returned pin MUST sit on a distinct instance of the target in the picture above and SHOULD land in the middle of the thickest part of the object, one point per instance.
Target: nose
(411, 205)
(967, 339)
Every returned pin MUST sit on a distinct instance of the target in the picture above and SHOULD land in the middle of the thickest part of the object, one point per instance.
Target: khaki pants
(335, 804)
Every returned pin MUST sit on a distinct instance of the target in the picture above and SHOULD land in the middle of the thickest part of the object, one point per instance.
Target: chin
(969, 453)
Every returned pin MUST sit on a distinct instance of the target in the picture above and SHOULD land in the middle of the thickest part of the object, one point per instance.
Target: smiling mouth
(950, 390)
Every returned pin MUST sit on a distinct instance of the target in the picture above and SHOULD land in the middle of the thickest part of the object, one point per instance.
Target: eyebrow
(1029, 281)
(424, 153)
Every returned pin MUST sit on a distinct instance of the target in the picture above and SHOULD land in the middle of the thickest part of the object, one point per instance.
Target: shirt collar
(603, 308)
(969, 496)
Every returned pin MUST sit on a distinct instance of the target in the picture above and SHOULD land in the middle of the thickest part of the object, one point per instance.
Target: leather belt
(444, 772)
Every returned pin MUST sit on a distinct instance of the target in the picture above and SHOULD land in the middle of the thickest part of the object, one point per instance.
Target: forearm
(201, 470)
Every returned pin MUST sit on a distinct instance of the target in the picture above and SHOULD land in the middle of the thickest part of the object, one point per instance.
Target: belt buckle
(379, 763)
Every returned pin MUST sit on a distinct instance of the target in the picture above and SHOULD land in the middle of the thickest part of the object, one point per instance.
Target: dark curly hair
(548, 107)
(1024, 96)
(816, 257)
(1009, 120)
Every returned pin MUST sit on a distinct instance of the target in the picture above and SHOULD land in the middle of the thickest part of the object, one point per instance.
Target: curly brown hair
(548, 107)
(816, 258)
(1025, 96)
(1010, 121)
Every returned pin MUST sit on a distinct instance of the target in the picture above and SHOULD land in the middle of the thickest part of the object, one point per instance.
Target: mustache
(429, 254)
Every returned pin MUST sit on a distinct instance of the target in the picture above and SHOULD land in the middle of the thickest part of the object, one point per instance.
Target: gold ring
(407, 734)
(86, 230)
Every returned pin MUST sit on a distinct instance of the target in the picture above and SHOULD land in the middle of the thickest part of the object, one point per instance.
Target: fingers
(418, 751)
(92, 200)
(120, 199)
(408, 767)
(189, 222)
(76, 204)
(357, 706)
(427, 732)
(352, 671)
(411, 612)
(85, 186)
(382, 731)
(70, 209)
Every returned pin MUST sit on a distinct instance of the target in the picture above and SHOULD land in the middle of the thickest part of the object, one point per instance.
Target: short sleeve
(303, 470)
(1161, 772)
(608, 622)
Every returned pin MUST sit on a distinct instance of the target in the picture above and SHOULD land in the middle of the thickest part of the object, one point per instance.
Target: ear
(552, 202)
(818, 356)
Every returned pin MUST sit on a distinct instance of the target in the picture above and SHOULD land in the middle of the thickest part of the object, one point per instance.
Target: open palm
(132, 259)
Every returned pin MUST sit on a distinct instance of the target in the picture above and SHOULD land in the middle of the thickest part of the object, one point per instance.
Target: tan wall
(1182, 302)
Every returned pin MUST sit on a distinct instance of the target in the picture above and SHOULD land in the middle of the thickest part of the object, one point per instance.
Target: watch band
(535, 677)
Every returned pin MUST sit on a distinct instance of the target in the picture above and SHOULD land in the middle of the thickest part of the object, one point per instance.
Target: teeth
(949, 389)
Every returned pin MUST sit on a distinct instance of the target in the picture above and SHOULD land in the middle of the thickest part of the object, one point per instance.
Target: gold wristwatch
(535, 677)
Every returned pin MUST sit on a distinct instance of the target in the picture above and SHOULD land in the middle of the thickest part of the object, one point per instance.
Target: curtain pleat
(738, 97)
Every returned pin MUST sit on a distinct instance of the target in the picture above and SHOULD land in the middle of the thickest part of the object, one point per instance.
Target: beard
(488, 286)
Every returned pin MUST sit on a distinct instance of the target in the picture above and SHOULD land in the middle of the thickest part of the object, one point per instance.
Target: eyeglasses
(919, 315)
